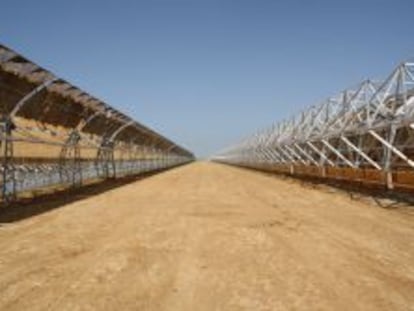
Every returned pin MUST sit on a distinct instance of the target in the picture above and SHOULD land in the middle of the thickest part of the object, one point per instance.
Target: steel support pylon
(70, 165)
(105, 160)
(7, 165)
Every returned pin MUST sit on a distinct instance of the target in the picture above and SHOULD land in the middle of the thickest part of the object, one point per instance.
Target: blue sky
(207, 73)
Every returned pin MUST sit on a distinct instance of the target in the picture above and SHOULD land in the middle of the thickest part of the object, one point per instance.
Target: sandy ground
(210, 237)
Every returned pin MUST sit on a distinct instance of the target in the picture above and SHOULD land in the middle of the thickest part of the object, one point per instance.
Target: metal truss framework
(363, 134)
(53, 133)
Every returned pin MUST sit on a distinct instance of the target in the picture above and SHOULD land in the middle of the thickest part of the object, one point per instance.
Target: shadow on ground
(27, 208)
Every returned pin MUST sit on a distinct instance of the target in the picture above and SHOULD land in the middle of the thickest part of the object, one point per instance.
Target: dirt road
(210, 237)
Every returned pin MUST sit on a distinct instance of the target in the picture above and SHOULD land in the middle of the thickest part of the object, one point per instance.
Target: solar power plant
(54, 134)
(100, 212)
(363, 135)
